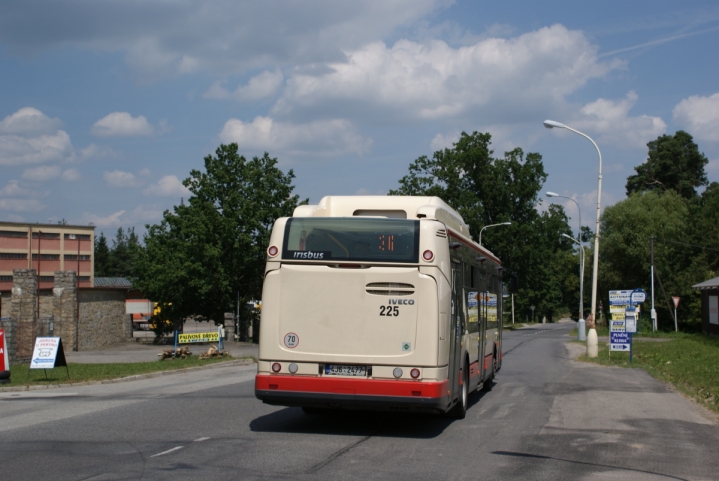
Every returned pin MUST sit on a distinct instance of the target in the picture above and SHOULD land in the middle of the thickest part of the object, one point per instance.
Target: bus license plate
(337, 370)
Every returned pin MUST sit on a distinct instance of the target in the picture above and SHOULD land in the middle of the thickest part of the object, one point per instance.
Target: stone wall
(5, 300)
(102, 318)
(23, 310)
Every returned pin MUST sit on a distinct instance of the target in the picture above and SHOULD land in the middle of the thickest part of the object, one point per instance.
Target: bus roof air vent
(442, 233)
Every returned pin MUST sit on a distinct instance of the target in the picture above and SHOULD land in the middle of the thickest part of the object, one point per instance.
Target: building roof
(710, 284)
(113, 282)
(35, 225)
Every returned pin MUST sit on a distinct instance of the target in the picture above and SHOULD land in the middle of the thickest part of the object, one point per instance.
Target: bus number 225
(388, 310)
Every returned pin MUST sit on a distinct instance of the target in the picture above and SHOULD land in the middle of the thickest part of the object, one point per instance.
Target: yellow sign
(199, 337)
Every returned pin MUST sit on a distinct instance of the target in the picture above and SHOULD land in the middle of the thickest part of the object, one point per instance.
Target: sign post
(48, 354)
(676, 305)
(4, 360)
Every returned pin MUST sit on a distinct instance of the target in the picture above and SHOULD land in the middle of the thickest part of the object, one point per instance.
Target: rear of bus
(351, 314)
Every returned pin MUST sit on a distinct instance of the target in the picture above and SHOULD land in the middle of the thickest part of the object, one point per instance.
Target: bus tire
(460, 409)
(489, 382)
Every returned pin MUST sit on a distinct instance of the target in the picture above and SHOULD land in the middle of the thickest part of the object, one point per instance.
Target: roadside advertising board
(48, 353)
(4, 359)
(630, 320)
(199, 337)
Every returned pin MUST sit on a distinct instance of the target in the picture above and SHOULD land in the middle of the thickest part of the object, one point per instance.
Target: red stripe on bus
(485, 360)
(368, 387)
(474, 369)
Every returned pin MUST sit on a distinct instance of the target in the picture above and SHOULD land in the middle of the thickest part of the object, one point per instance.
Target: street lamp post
(491, 225)
(592, 343)
(580, 324)
(581, 260)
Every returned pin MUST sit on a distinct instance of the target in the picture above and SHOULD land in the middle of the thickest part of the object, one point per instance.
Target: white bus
(378, 302)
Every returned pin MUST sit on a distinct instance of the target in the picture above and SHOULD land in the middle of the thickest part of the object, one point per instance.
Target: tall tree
(673, 163)
(212, 247)
(487, 190)
(627, 227)
(102, 256)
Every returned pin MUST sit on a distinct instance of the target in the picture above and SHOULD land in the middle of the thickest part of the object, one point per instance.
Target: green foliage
(121, 259)
(625, 251)
(674, 163)
(205, 252)
(487, 190)
(102, 256)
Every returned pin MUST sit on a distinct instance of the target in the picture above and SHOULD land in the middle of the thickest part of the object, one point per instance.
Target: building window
(84, 237)
(47, 257)
(46, 278)
(13, 233)
(46, 235)
(12, 255)
(5, 278)
(84, 278)
(74, 257)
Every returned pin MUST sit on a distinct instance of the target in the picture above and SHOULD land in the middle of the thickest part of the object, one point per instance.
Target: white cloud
(168, 186)
(29, 120)
(21, 205)
(321, 137)
(41, 174)
(700, 116)
(111, 220)
(118, 178)
(30, 137)
(71, 175)
(161, 39)
(611, 120)
(260, 86)
(444, 141)
(122, 124)
(433, 80)
(12, 189)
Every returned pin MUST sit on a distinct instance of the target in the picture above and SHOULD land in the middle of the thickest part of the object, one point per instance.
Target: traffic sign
(676, 301)
(637, 296)
(620, 341)
(617, 325)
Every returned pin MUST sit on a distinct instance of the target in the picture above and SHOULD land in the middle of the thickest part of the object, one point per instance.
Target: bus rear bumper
(348, 393)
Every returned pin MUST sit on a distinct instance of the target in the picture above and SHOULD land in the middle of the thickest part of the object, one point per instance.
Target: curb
(238, 362)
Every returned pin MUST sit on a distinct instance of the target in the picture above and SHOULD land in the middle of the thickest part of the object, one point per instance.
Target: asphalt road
(547, 418)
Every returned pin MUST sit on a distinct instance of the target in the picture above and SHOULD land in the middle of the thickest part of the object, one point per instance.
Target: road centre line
(200, 439)
(167, 452)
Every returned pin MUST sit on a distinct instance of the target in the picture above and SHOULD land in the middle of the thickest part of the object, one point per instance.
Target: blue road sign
(620, 341)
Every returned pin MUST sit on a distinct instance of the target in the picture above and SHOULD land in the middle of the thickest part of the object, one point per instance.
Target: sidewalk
(137, 352)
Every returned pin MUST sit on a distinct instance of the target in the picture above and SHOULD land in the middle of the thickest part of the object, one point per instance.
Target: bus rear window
(351, 239)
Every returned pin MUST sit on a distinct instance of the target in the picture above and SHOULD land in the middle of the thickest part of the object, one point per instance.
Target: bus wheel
(460, 409)
(489, 383)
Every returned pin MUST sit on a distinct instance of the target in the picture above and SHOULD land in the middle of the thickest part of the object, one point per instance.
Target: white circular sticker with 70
(291, 340)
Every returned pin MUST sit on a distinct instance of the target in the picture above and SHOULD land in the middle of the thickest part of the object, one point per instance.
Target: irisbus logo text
(308, 255)
(402, 302)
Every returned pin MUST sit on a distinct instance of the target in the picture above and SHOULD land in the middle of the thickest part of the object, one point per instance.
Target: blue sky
(106, 106)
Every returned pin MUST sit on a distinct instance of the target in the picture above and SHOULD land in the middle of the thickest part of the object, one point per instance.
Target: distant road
(547, 418)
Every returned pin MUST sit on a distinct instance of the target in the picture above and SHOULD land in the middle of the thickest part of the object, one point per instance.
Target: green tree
(206, 251)
(102, 256)
(673, 163)
(487, 190)
(625, 258)
(125, 251)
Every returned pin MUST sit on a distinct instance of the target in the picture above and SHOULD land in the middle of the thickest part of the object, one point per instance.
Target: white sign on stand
(48, 353)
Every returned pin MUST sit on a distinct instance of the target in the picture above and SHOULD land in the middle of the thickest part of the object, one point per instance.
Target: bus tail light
(276, 367)
(428, 255)
(272, 251)
(293, 368)
(414, 373)
(397, 372)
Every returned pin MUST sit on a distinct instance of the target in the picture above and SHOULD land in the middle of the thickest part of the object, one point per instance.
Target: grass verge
(689, 362)
(99, 372)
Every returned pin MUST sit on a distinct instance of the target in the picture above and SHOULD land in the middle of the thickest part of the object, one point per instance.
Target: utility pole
(653, 312)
